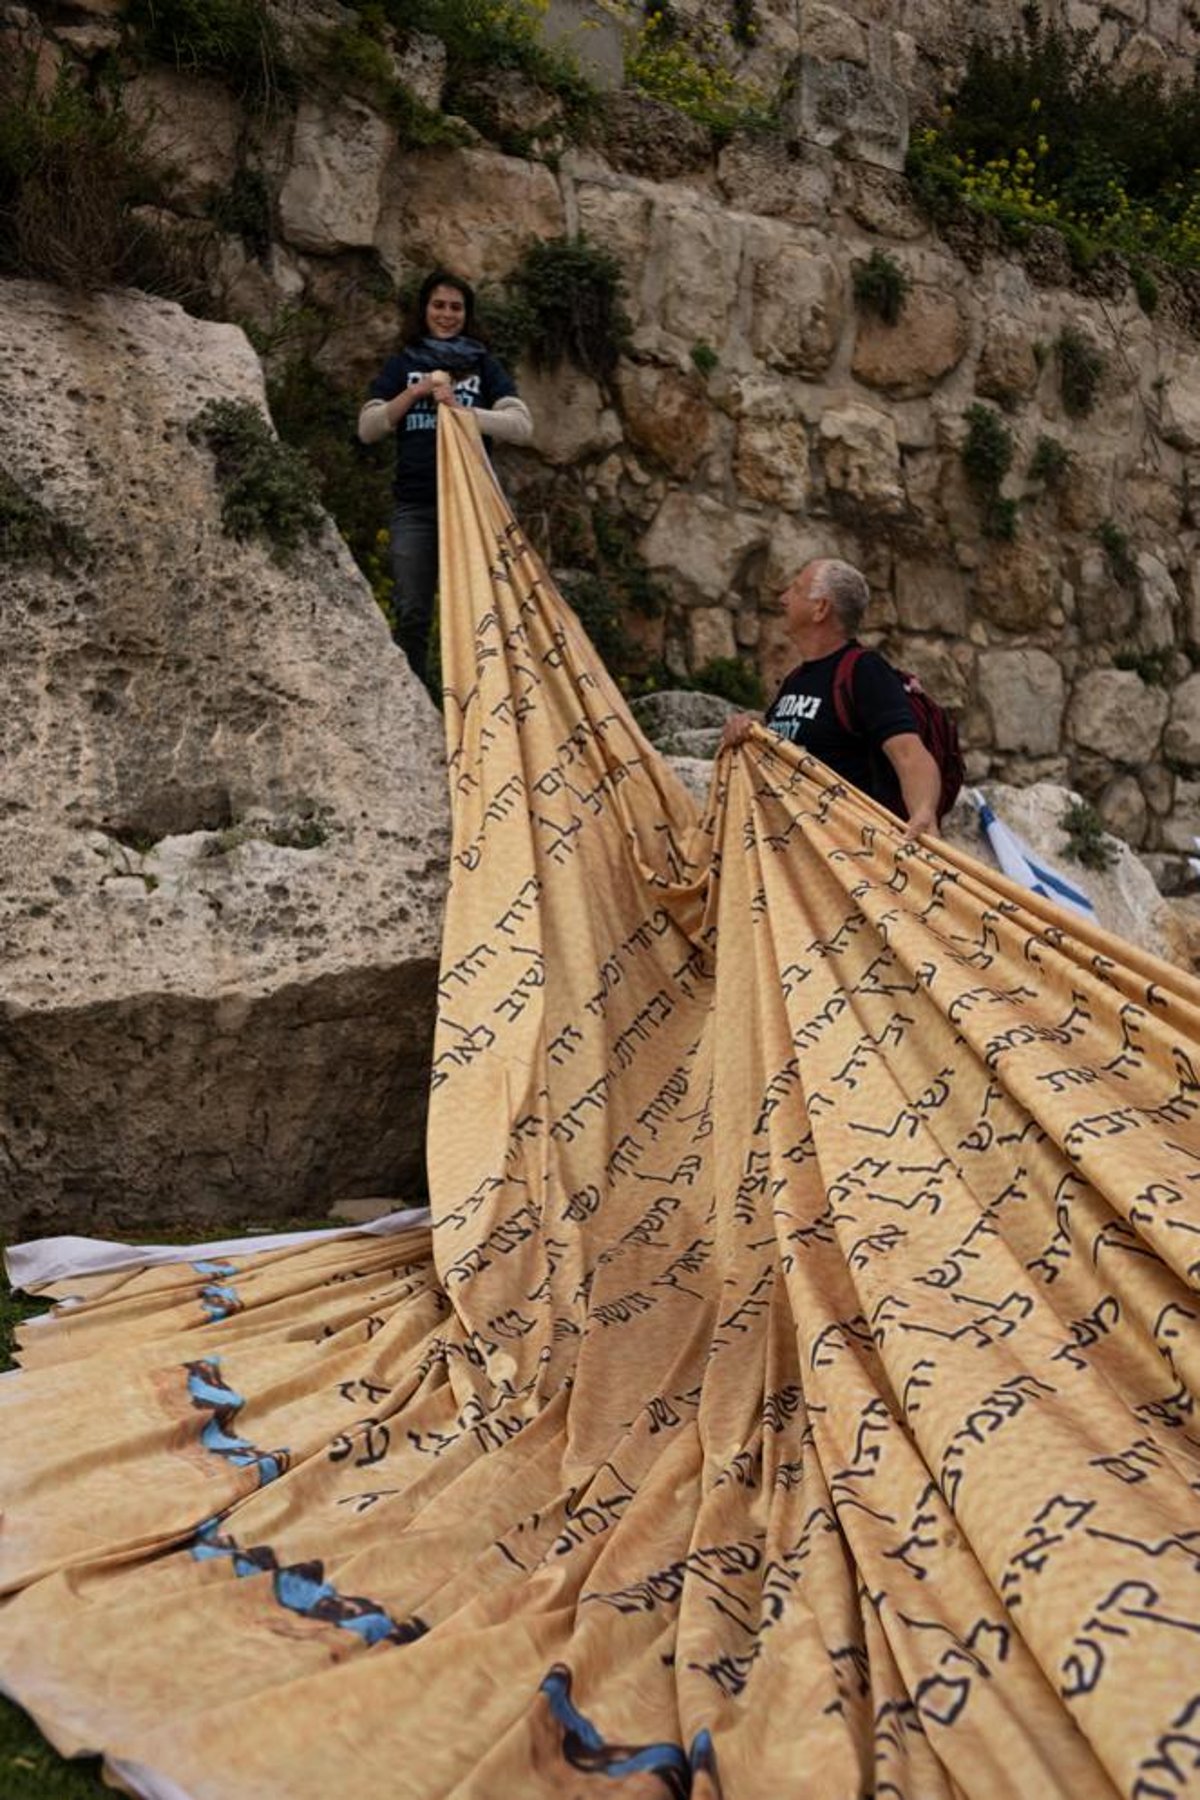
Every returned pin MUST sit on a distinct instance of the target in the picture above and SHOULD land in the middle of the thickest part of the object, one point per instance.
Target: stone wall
(820, 430)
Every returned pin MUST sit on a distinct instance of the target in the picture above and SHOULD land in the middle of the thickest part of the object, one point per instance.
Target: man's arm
(920, 781)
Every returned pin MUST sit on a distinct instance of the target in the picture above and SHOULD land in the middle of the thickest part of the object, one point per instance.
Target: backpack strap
(843, 686)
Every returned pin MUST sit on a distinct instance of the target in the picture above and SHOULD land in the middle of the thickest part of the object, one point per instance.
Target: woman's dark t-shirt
(803, 712)
(416, 436)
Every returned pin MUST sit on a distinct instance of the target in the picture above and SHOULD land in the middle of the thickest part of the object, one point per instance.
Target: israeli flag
(1018, 862)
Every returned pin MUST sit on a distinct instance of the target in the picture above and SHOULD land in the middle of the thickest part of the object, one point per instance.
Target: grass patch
(73, 175)
(1117, 548)
(685, 69)
(1150, 666)
(236, 40)
(733, 680)
(1049, 462)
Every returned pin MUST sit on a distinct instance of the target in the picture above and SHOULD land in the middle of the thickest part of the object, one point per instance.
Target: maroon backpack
(935, 727)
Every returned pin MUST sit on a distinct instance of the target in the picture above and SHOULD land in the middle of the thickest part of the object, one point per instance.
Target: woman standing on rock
(441, 364)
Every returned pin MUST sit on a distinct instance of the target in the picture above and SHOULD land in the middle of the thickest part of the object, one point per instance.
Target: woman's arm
(378, 417)
(510, 421)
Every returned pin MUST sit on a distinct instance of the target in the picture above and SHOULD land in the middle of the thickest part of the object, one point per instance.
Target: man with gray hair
(873, 741)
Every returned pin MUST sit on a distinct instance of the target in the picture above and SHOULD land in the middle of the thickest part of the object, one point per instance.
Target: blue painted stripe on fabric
(299, 1592)
(651, 1759)
(216, 1435)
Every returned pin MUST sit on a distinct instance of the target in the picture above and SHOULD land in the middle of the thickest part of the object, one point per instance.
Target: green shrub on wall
(267, 488)
(881, 286)
(564, 302)
(1042, 131)
(686, 70)
(987, 455)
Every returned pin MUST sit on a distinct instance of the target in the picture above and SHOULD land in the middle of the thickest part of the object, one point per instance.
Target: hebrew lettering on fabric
(795, 1392)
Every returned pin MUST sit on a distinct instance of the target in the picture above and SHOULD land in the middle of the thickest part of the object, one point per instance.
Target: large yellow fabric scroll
(798, 1397)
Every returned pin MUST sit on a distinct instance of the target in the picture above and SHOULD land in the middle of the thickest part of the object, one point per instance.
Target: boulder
(684, 722)
(1125, 896)
(911, 356)
(223, 817)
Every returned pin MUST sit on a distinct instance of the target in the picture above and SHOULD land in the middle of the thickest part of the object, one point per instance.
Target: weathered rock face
(222, 815)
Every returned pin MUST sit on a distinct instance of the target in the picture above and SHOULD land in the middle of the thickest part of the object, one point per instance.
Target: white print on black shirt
(423, 416)
(790, 709)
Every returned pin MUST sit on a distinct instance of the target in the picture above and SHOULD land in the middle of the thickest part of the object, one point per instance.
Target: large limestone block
(829, 34)
(331, 197)
(472, 211)
(1180, 410)
(770, 461)
(620, 219)
(191, 130)
(930, 596)
(839, 105)
(701, 542)
(862, 458)
(222, 815)
(1158, 604)
(1016, 586)
(697, 252)
(709, 636)
(571, 420)
(1023, 693)
(799, 302)
(911, 356)
(756, 175)
(1115, 713)
(666, 414)
(1181, 741)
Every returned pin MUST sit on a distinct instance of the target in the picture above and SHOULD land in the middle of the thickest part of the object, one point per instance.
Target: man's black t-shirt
(416, 438)
(803, 712)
